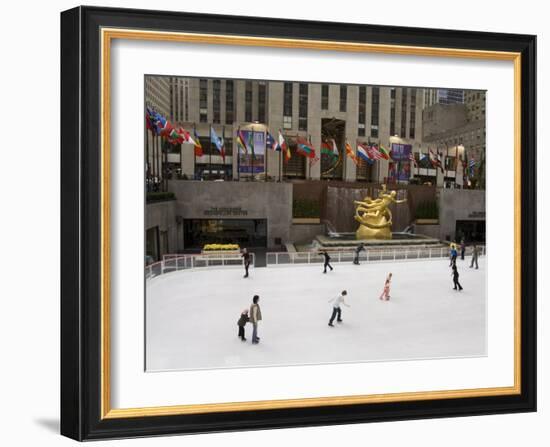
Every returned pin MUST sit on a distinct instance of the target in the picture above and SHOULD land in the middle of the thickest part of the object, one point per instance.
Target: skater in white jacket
(336, 310)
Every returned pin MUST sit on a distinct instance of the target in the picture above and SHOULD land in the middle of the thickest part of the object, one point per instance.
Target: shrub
(160, 196)
(305, 208)
(427, 210)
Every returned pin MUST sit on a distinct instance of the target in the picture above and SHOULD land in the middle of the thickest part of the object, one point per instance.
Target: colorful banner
(253, 162)
(399, 171)
(400, 152)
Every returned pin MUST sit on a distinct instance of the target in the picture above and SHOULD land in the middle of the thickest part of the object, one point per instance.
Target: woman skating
(386, 292)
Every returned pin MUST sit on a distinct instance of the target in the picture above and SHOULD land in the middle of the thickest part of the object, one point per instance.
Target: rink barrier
(177, 262)
(369, 255)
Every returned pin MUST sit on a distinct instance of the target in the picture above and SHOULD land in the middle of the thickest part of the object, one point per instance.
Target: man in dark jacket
(455, 278)
(358, 250)
(327, 259)
(246, 258)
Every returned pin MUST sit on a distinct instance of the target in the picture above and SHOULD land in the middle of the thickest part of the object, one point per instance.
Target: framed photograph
(274, 223)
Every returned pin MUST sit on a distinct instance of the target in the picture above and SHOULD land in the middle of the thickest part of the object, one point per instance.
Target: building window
(404, 113)
(412, 122)
(392, 111)
(302, 107)
(362, 118)
(229, 102)
(248, 102)
(216, 101)
(171, 99)
(343, 97)
(287, 106)
(375, 112)
(262, 94)
(324, 97)
(203, 100)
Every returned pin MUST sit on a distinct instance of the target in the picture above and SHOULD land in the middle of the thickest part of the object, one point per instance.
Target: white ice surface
(191, 316)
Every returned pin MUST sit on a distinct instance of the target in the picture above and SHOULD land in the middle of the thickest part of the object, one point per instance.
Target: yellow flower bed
(218, 247)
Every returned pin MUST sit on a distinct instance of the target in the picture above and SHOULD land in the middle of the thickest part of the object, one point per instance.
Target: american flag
(412, 159)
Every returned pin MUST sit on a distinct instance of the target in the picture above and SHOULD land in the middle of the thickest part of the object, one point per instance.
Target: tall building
(315, 112)
(443, 96)
(157, 94)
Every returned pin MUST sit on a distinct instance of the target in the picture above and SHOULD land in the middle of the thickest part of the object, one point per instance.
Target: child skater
(386, 292)
(242, 322)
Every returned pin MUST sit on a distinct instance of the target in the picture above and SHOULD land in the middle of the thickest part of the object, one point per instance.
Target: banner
(254, 161)
(400, 152)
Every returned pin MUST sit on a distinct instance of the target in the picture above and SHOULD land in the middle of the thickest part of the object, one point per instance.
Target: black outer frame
(81, 219)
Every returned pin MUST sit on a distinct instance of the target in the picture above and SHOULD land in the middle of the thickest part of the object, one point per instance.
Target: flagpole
(252, 155)
(210, 153)
(265, 151)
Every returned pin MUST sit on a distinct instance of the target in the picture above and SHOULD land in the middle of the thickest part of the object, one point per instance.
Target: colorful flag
(350, 153)
(305, 148)
(384, 153)
(372, 151)
(326, 148)
(435, 160)
(239, 139)
(283, 146)
(471, 166)
(198, 146)
(412, 159)
(270, 142)
(363, 153)
(250, 144)
(218, 142)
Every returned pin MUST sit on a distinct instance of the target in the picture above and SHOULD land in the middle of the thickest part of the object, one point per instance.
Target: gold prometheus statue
(374, 216)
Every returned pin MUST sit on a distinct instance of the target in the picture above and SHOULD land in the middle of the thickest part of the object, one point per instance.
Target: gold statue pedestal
(364, 232)
(374, 216)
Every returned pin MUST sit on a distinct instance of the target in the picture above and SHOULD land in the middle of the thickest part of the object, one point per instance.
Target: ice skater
(336, 309)
(242, 323)
(246, 257)
(455, 279)
(454, 254)
(358, 250)
(386, 292)
(475, 254)
(255, 317)
(327, 259)
(462, 249)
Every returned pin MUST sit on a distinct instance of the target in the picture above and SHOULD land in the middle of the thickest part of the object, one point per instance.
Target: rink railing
(284, 258)
(176, 262)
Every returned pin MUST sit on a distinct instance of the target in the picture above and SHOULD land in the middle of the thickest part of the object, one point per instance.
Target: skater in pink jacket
(386, 292)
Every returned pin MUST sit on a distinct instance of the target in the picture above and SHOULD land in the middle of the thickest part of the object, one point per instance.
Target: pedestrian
(475, 254)
(246, 257)
(255, 317)
(462, 249)
(327, 259)
(336, 309)
(242, 323)
(454, 254)
(455, 279)
(386, 292)
(358, 250)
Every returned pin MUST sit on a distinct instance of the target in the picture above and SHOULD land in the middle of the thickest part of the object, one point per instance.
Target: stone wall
(237, 200)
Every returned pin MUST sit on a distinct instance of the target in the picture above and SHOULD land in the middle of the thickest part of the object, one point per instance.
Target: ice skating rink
(191, 316)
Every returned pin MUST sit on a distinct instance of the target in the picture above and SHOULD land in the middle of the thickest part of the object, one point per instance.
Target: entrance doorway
(249, 233)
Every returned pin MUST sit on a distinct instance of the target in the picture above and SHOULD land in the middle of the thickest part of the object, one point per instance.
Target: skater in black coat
(358, 250)
(455, 278)
(327, 259)
(242, 323)
(246, 257)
